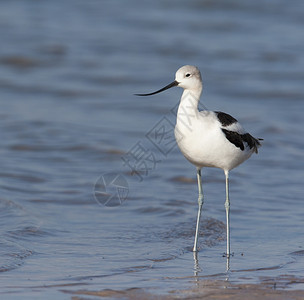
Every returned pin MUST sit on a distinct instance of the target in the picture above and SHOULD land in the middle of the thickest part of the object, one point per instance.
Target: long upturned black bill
(172, 84)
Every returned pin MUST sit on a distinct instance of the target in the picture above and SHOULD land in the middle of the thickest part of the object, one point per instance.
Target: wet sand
(269, 288)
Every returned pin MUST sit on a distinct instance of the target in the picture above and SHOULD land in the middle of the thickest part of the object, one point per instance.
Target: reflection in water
(228, 264)
(198, 269)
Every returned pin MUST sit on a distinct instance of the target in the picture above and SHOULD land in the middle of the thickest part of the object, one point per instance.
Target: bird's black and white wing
(235, 133)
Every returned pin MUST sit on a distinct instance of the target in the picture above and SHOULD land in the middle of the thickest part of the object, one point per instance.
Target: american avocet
(208, 138)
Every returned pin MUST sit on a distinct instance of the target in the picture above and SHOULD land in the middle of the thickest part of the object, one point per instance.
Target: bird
(208, 138)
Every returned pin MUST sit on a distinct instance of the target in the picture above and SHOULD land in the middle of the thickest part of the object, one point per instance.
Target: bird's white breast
(202, 141)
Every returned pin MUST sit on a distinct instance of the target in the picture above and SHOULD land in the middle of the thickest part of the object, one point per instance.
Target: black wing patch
(239, 139)
(234, 138)
(225, 119)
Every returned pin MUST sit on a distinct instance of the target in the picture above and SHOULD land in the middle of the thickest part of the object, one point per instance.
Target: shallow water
(69, 123)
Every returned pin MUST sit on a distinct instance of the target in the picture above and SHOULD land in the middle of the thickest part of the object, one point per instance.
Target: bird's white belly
(207, 146)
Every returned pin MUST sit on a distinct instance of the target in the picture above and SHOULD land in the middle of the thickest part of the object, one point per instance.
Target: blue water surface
(69, 118)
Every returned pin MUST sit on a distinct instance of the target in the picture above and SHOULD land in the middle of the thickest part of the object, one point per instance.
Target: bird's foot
(228, 255)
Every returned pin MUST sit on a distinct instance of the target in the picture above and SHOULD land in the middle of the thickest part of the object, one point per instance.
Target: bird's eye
(188, 75)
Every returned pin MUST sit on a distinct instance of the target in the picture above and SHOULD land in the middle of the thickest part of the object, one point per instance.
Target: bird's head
(187, 77)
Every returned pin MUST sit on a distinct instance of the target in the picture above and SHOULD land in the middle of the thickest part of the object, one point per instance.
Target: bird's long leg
(227, 206)
(200, 204)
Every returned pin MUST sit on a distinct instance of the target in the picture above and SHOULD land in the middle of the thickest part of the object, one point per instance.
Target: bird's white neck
(191, 97)
(188, 108)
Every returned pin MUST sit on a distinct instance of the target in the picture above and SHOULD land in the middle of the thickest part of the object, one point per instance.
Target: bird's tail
(257, 144)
